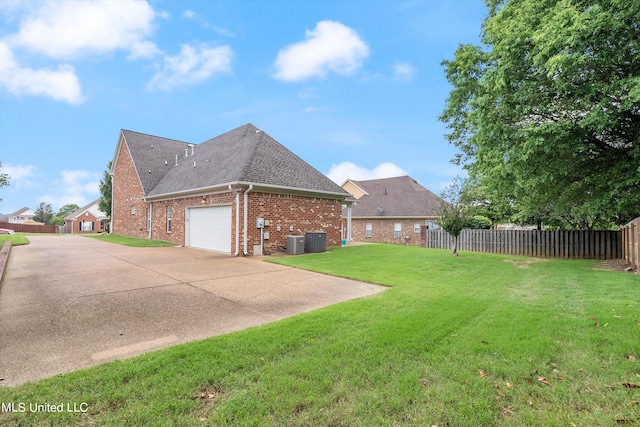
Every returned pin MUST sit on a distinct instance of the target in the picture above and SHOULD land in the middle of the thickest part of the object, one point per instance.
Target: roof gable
(91, 208)
(395, 197)
(153, 156)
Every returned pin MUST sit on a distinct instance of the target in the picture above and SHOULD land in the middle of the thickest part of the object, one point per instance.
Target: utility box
(315, 242)
(295, 245)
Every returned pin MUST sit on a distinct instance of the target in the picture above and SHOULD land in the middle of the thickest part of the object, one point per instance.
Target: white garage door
(210, 228)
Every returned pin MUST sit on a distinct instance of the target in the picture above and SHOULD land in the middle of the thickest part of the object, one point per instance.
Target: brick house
(89, 219)
(210, 195)
(390, 210)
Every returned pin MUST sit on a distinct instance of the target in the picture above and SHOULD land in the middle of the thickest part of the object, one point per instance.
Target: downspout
(150, 219)
(245, 212)
(111, 213)
(237, 220)
(348, 236)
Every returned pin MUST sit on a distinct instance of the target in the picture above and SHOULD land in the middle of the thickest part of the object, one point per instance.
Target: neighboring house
(89, 219)
(21, 216)
(390, 210)
(211, 195)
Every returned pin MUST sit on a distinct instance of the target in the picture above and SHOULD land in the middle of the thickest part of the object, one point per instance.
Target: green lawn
(129, 241)
(16, 239)
(475, 340)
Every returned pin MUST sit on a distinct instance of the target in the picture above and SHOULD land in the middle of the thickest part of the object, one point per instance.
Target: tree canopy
(105, 192)
(546, 113)
(43, 213)
(4, 179)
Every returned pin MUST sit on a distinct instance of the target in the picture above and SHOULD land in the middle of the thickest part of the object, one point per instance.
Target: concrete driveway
(68, 302)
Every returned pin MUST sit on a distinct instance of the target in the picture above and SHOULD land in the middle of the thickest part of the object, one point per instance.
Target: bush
(478, 222)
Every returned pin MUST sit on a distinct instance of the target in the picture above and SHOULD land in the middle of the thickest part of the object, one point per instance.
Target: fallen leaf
(592, 317)
(617, 317)
(203, 418)
(596, 325)
(629, 385)
(483, 373)
(632, 358)
(529, 380)
(625, 421)
(559, 378)
(508, 385)
(507, 410)
(500, 392)
(543, 380)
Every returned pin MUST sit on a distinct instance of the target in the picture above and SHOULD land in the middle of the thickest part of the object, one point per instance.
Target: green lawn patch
(129, 241)
(475, 340)
(16, 239)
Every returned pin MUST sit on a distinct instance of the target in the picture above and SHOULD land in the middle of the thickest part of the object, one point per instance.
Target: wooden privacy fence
(630, 241)
(30, 228)
(548, 244)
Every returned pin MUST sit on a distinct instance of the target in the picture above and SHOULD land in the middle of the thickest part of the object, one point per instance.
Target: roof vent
(191, 145)
(380, 211)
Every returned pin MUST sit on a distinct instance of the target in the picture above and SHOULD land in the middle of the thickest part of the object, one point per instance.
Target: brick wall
(127, 192)
(304, 214)
(383, 232)
(75, 227)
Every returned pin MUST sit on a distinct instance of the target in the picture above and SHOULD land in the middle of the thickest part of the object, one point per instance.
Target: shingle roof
(149, 154)
(242, 155)
(397, 197)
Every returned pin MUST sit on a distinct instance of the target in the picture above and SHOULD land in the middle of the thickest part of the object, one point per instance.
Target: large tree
(546, 113)
(105, 191)
(43, 213)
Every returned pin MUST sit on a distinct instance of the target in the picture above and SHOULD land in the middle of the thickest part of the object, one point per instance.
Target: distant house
(214, 195)
(89, 219)
(391, 210)
(24, 215)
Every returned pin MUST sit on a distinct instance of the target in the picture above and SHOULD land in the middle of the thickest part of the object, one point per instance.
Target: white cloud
(61, 84)
(403, 71)
(339, 173)
(76, 28)
(192, 65)
(20, 175)
(330, 47)
(77, 186)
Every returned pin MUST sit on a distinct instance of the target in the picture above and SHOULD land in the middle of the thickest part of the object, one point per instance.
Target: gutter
(246, 213)
(258, 187)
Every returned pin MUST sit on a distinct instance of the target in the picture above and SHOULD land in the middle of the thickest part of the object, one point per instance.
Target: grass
(129, 241)
(16, 239)
(477, 340)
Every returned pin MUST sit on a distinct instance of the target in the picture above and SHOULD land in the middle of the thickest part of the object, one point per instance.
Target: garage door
(210, 228)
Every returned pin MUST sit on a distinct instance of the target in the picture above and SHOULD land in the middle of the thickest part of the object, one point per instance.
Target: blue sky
(352, 87)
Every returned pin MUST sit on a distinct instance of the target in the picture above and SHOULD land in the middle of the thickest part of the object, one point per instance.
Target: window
(169, 217)
(133, 209)
(397, 230)
(433, 225)
(368, 229)
(86, 225)
(416, 227)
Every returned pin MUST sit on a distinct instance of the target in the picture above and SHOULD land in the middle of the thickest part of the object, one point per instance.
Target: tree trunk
(454, 252)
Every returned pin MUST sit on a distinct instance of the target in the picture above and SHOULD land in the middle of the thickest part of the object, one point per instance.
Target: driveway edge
(4, 257)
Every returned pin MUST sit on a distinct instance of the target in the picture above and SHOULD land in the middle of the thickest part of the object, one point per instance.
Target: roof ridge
(155, 136)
